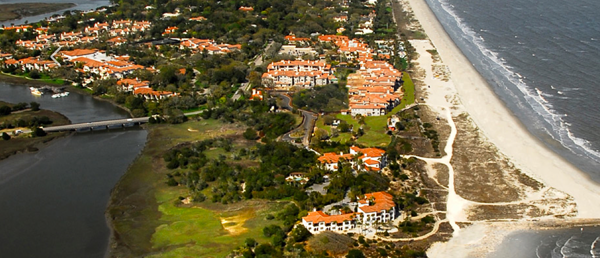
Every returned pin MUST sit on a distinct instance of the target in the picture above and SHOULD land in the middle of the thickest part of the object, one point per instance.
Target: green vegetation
(330, 242)
(207, 232)
(225, 174)
(329, 98)
(374, 131)
(16, 119)
(17, 11)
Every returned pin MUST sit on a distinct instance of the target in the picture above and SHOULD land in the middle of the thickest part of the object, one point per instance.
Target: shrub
(330, 241)
(5, 110)
(38, 132)
(355, 253)
(250, 134)
(34, 106)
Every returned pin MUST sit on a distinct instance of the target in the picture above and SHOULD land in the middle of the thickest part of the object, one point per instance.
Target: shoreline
(15, 9)
(15, 79)
(501, 127)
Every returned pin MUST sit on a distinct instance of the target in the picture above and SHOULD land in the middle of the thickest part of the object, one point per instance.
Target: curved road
(308, 122)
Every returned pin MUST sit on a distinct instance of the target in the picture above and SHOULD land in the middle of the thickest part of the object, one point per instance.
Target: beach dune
(501, 127)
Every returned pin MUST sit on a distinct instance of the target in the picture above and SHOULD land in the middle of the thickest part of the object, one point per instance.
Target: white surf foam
(534, 97)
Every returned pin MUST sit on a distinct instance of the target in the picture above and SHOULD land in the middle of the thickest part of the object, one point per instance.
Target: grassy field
(375, 132)
(375, 126)
(150, 221)
(208, 232)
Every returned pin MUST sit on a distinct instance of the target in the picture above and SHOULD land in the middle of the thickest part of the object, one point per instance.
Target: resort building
(130, 85)
(372, 208)
(378, 207)
(208, 45)
(374, 89)
(372, 159)
(297, 178)
(318, 221)
(290, 73)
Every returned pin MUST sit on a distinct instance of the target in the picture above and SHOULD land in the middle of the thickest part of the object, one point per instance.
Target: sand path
(496, 122)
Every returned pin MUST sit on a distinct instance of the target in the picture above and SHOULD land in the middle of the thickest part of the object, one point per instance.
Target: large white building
(290, 73)
(378, 207)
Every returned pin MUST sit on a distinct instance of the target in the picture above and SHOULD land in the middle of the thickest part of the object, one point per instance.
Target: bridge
(99, 125)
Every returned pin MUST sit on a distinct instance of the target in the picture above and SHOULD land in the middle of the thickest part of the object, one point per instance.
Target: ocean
(542, 59)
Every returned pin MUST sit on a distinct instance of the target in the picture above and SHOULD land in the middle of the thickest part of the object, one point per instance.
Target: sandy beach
(467, 92)
(498, 123)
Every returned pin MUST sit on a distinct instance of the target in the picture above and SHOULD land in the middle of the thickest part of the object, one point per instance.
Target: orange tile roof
(371, 162)
(382, 201)
(332, 157)
(369, 152)
(318, 216)
(79, 52)
(199, 18)
(294, 38)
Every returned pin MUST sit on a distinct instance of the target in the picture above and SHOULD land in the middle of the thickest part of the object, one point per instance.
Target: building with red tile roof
(376, 207)
(130, 85)
(372, 208)
(290, 73)
(318, 221)
(199, 18)
(209, 45)
(293, 39)
(170, 30)
(372, 159)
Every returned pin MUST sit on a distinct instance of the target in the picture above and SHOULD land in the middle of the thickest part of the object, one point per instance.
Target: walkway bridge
(99, 125)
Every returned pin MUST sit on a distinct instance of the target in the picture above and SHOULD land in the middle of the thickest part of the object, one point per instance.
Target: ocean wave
(533, 97)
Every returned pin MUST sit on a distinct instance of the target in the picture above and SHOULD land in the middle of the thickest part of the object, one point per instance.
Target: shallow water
(575, 242)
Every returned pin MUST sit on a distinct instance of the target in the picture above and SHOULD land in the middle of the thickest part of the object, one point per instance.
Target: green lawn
(375, 133)
(203, 107)
(147, 220)
(376, 126)
(202, 232)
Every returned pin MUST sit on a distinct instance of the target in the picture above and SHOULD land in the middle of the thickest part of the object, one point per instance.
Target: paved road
(308, 122)
(136, 120)
(244, 88)
(258, 61)
(95, 124)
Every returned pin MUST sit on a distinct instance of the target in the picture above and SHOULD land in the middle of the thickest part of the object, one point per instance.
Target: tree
(5, 110)
(39, 132)
(328, 119)
(5, 136)
(250, 134)
(34, 74)
(355, 253)
(34, 106)
(300, 233)
(250, 242)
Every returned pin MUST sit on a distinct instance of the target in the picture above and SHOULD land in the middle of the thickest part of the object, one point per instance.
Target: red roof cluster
(379, 201)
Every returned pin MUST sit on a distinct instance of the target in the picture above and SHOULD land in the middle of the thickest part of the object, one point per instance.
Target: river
(53, 201)
(83, 5)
